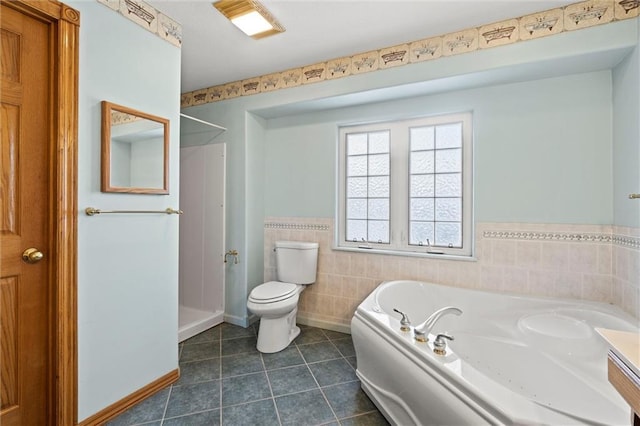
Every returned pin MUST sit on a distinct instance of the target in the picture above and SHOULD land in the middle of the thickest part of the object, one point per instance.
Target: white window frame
(399, 188)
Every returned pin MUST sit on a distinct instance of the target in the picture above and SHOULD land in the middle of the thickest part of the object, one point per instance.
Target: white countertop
(625, 345)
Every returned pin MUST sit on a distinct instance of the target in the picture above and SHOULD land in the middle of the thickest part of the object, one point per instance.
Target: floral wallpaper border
(555, 21)
(148, 18)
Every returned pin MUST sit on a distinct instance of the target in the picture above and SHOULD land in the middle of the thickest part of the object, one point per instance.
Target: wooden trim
(66, 169)
(623, 384)
(129, 401)
(64, 22)
(105, 153)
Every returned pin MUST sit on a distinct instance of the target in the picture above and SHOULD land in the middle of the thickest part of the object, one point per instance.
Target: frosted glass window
(448, 160)
(449, 185)
(357, 208)
(379, 208)
(357, 144)
(449, 136)
(367, 184)
(357, 166)
(422, 209)
(379, 231)
(379, 186)
(379, 165)
(422, 138)
(356, 187)
(435, 169)
(378, 142)
(422, 185)
(448, 234)
(420, 233)
(448, 209)
(356, 230)
(422, 162)
(405, 186)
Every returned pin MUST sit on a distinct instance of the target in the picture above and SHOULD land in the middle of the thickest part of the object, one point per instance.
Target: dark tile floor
(225, 381)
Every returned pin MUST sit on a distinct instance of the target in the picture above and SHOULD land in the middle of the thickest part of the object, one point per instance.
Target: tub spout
(421, 332)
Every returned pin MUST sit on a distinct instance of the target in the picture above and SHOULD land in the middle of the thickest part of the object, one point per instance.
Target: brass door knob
(32, 255)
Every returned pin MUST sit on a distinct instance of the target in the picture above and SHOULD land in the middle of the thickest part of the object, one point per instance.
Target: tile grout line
(327, 337)
(273, 398)
(318, 384)
(345, 360)
(166, 405)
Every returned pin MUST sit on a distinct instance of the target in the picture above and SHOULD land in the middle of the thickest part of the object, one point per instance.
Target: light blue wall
(542, 150)
(626, 135)
(539, 88)
(127, 265)
(255, 202)
(299, 167)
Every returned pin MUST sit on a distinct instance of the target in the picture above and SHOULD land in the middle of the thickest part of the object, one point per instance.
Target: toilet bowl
(276, 302)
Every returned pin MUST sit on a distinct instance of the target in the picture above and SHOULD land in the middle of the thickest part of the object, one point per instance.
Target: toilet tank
(296, 262)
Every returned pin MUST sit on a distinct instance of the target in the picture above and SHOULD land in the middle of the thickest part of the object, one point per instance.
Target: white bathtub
(514, 360)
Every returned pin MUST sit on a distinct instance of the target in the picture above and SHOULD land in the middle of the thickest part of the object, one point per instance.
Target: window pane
(449, 209)
(379, 208)
(379, 186)
(379, 142)
(356, 230)
(449, 136)
(421, 138)
(421, 209)
(449, 160)
(420, 232)
(422, 162)
(357, 208)
(427, 179)
(379, 164)
(356, 144)
(357, 166)
(449, 185)
(421, 186)
(378, 231)
(356, 187)
(448, 234)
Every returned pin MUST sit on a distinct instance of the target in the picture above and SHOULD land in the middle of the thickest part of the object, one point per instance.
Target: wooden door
(38, 96)
(25, 158)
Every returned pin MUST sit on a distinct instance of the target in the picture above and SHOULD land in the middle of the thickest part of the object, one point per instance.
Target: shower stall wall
(202, 192)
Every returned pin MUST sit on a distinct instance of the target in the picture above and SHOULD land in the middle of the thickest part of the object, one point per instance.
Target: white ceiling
(216, 52)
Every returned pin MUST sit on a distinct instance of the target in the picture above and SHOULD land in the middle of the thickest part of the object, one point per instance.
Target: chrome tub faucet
(421, 331)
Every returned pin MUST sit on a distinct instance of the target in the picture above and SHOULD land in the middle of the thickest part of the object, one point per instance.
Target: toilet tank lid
(300, 245)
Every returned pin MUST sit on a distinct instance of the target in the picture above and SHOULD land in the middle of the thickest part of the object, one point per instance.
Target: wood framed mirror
(135, 151)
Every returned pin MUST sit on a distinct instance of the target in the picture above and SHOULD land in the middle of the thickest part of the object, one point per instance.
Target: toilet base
(275, 334)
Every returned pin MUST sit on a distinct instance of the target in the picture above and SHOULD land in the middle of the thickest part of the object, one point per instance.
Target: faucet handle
(405, 323)
(440, 345)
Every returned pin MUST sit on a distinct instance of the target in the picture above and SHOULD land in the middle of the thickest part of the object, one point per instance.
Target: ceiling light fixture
(250, 16)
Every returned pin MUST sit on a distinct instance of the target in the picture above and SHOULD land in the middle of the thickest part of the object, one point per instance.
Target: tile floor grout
(360, 412)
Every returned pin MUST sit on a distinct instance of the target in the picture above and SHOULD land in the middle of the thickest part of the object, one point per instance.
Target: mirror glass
(135, 151)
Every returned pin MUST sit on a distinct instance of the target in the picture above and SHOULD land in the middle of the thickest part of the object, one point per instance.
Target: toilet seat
(272, 291)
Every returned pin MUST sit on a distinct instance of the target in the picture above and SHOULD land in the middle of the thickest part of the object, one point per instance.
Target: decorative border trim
(548, 236)
(296, 226)
(619, 240)
(626, 241)
(542, 24)
(148, 18)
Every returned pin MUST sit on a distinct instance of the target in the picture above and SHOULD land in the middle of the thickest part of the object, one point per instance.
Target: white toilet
(276, 302)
